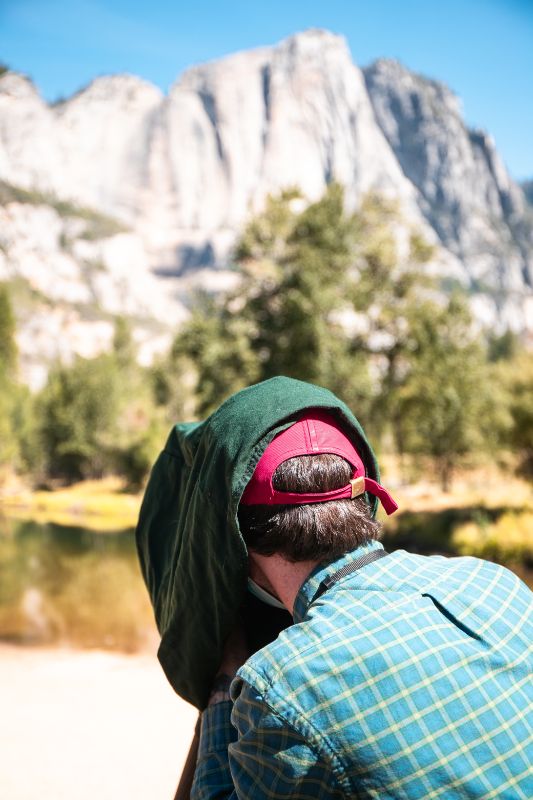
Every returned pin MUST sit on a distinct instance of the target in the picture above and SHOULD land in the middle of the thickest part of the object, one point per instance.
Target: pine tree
(285, 316)
(78, 409)
(17, 446)
(8, 345)
(447, 404)
(516, 376)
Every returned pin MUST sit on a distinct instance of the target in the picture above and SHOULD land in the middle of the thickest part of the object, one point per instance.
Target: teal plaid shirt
(411, 678)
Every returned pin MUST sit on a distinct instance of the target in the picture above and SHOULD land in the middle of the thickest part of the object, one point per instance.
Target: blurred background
(193, 199)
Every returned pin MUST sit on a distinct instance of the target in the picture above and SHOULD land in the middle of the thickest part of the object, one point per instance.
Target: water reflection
(70, 585)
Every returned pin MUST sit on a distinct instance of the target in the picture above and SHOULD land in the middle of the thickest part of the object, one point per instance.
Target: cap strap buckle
(358, 486)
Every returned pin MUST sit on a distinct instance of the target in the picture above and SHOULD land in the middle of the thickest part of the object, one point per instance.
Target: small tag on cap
(358, 486)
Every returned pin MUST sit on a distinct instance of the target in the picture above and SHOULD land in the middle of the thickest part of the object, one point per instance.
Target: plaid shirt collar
(324, 570)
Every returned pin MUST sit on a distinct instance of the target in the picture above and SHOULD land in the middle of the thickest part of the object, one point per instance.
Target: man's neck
(280, 577)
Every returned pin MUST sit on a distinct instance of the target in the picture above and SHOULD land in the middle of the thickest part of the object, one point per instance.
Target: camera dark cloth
(192, 555)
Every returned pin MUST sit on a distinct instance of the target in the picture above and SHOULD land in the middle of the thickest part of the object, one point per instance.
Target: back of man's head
(311, 531)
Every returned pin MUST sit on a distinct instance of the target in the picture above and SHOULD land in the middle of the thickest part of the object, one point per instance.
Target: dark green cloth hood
(193, 557)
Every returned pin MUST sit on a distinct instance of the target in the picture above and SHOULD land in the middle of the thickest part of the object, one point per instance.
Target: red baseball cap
(315, 432)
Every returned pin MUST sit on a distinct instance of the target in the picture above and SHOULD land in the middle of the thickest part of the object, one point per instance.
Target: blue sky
(483, 49)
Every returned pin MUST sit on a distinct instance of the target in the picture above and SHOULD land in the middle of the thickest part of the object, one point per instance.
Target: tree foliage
(344, 300)
(335, 298)
(516, 376)
(99, 416)
(78, 410)
(8, 345)
(447, 405)
(285, 316)
(216, 343)
(16, 418)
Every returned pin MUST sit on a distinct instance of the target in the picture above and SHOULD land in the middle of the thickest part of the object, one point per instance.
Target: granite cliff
(179, 174)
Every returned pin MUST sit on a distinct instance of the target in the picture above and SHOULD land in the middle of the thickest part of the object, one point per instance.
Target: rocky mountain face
(70, 271)
(527, 188)
(464, 190)
(180, 174)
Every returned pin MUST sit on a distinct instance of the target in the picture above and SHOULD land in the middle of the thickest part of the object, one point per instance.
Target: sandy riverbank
(89, 725)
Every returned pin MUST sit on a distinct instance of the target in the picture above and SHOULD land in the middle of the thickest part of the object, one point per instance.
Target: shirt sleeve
(212, 777)
(264, 758)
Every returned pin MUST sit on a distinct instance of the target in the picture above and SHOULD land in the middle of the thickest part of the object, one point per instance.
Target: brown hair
(314, 531)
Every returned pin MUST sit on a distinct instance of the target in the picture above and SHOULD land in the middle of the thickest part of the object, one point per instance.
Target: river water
(73, 586)
(70, 585)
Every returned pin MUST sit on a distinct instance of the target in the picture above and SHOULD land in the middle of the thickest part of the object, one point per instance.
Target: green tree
(99, 416)
(265, 236)
(9, 444)
(8, 345)
(139, 426)
(388, 295)
(215, 344)
(16, 417)
(447, 404)
(503, 347)
(123, 345)
(294, 317)
(78, 410)
(344, 300)
(93, 422)
(517, 377)
(286, 315)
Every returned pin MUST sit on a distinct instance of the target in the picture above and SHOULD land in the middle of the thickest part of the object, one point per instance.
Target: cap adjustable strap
(364, 484)
(316, 431)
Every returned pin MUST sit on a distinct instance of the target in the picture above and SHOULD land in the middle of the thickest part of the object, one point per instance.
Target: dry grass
(103, 505)
(482, 485)
(488, 513)
(97, 505)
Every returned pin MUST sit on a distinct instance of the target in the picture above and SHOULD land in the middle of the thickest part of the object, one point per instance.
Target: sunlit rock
(134, 198)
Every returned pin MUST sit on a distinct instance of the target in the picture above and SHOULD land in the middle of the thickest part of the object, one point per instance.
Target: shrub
(507, 540)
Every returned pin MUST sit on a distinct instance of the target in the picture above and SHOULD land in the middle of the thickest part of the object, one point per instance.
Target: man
(402, 676)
